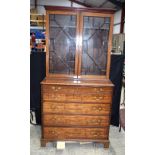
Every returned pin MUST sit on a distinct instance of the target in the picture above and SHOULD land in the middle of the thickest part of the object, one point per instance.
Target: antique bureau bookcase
(77, 93)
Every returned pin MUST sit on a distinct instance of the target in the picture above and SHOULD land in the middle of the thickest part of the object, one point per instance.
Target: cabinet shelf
(93, 28)
(37, 20)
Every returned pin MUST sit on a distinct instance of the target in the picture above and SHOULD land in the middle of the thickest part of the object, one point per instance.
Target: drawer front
(58, 89)
(76, 108)
(57, 133)
(75, 120)
(75, 89)
(104, 98)
(62, 97)
(53, 107)
(97, 133)
(95, 90)
(78, 97)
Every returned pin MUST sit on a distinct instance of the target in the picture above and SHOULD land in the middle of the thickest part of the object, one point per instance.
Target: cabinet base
(43, 142)
(104, 142)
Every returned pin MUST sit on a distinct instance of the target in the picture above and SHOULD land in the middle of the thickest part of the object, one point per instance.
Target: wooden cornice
(54, 8)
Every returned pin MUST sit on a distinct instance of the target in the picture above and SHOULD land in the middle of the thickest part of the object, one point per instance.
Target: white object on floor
(85, 142)
(60, 145)
(34, 117)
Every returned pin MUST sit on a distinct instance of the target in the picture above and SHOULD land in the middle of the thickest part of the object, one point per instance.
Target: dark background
(38, 72)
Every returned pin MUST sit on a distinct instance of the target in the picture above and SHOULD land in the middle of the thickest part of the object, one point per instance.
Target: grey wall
(41, 10)
(117, 19)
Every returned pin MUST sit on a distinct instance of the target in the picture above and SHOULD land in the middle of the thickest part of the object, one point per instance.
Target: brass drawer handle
(100, 108)
(95, 134)
(98, 98)
(53, 88)
(53, 119)
(59, 88)
(97, 108)
(99, 90)
(51, 132)
(99, 121)
(56, 88)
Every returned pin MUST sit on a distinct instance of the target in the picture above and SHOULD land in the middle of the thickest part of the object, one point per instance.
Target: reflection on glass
(95, 45)
(62, 47)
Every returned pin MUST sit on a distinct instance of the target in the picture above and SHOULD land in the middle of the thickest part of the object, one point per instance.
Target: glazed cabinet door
(78, 44)
(96, 31)
(61, 43)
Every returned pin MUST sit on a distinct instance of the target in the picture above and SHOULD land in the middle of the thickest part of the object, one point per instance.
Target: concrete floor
(117, 145)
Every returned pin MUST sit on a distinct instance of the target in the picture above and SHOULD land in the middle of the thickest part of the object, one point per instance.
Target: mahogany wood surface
(74, 120)
(78, 82)
(75, 107)
(76, 112)
(75, 133)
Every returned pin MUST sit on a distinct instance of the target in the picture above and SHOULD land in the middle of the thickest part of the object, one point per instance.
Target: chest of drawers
(76, 110)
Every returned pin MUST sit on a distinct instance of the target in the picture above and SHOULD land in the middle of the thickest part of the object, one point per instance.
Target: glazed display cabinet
(77, 92)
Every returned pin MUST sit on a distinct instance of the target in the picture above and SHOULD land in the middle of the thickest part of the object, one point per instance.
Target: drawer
(56, 133)
(73, 98)
(105, 98)
(53, 107)
(97, 133)
(58, 89)
(76, 108)
(62, 97)
(95, 90)
(75, 89)
(75, 120)
(54, 96)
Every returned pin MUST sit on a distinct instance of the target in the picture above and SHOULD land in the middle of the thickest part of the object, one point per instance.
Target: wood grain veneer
(76, 111)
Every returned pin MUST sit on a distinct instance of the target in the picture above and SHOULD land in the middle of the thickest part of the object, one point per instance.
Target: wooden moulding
(80, 9)
(104, 142)
(82, 82)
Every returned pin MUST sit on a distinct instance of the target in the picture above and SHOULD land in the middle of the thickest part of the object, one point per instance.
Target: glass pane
(62, 47)
(95, 45)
